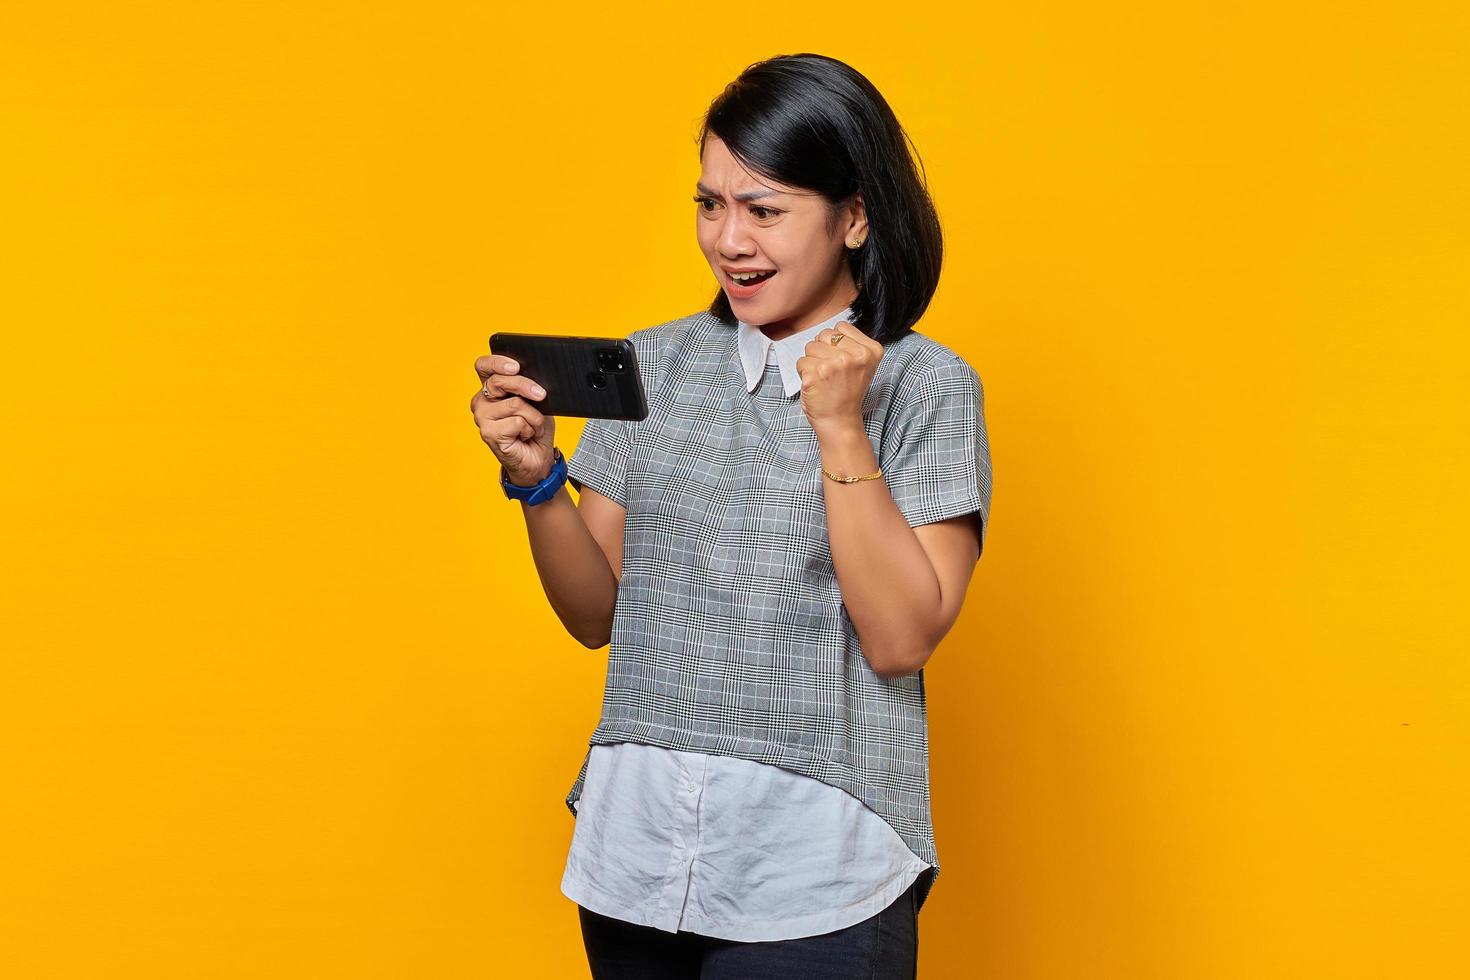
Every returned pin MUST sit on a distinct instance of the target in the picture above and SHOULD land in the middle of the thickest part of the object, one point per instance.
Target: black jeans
(884, 946)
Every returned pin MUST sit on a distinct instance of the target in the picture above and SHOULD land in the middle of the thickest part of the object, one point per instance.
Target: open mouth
(750, 287)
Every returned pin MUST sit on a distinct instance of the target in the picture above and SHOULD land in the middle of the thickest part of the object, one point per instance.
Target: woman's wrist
(839, 431)
(527, 482)
(846, 448)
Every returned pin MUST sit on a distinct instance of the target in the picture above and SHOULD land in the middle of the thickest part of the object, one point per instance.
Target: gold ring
(837, 338)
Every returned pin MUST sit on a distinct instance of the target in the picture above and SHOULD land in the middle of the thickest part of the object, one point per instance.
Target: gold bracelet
(853, 479)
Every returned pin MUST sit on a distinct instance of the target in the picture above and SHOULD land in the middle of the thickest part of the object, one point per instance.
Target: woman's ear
(857, 229)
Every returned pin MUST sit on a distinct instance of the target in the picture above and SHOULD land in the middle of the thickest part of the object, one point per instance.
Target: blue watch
(541, 492)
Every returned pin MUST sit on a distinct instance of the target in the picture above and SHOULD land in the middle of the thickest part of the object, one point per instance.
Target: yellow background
(282, 696)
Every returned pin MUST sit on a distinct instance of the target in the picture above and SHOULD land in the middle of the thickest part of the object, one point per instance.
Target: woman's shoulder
(671, 331)
(916, 357)
(654, 345)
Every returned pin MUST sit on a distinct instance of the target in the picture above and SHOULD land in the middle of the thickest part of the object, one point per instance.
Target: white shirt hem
(586, 894)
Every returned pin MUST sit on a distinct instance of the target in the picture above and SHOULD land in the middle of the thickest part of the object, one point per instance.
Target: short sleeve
(601, 458)
(936, 462)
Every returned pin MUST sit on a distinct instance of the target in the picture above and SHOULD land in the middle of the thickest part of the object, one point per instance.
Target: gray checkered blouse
(729, 635)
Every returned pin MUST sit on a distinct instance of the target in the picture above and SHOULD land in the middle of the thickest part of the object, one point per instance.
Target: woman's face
(777, 229)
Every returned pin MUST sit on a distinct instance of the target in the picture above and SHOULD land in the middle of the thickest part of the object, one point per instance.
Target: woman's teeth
(746, 278)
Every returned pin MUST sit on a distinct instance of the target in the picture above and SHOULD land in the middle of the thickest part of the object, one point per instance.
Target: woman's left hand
(835, 379)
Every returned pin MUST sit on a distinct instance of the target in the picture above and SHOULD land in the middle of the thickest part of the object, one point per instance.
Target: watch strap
(541, 492)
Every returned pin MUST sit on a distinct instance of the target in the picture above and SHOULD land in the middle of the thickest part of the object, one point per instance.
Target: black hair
(813, 122)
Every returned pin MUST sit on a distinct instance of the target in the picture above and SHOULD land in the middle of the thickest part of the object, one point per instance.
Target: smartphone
(586, 377)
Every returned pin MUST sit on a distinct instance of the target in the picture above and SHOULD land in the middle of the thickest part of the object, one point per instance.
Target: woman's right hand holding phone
(519, 435)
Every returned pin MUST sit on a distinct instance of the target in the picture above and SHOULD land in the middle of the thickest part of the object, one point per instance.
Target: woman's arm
(902, 586)
(578, 550)
(903, 553)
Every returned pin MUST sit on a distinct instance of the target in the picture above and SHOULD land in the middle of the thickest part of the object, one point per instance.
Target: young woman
(773, 554)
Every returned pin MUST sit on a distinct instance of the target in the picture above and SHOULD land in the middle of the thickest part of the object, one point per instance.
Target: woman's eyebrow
(743, 196)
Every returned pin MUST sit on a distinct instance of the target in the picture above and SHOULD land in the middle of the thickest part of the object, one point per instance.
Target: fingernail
(512, 366)
(540, 391)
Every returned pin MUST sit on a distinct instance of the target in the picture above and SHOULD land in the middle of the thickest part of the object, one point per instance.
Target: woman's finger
(495, 364)
(491, 409)
(500, 385)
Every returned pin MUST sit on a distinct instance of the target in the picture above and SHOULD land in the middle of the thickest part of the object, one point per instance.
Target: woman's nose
(733, 238)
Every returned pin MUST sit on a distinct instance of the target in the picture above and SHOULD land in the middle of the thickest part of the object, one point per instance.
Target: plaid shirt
(729, 635)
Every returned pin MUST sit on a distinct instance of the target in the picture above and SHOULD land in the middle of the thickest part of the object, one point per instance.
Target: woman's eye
(761, 213)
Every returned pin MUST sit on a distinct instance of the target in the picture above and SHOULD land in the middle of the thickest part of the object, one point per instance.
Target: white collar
(755, 350)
